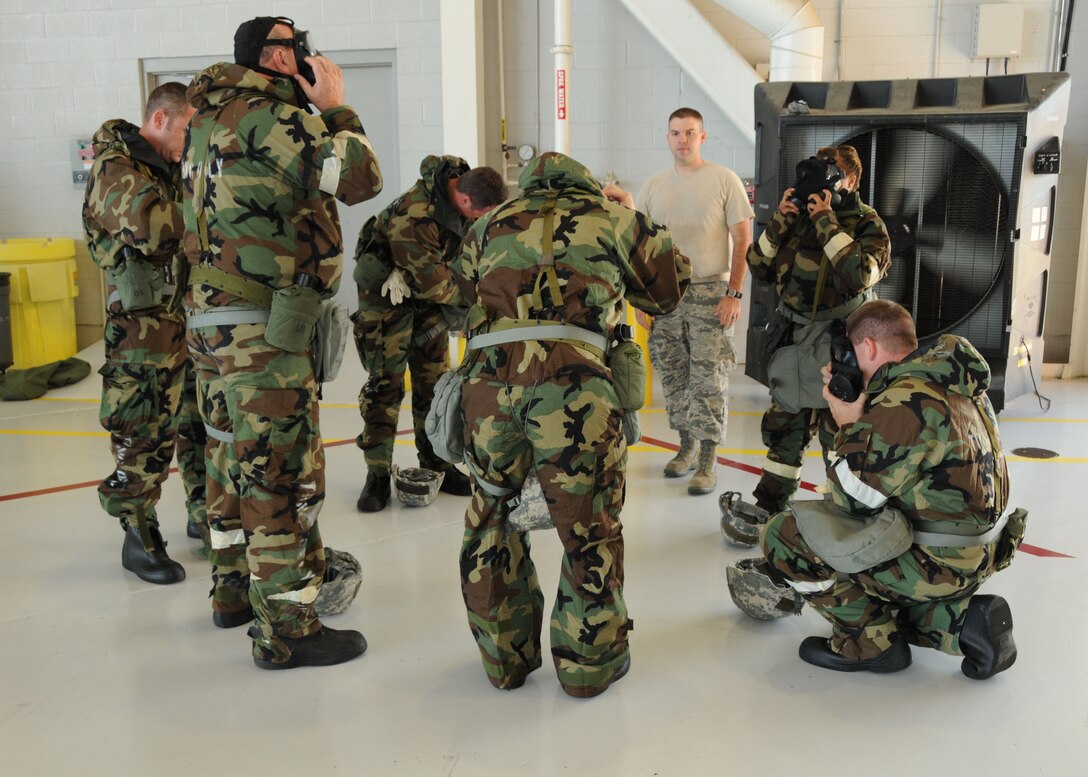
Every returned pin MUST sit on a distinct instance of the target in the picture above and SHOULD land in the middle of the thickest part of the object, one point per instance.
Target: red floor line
(671, 446)
(1031, 550)
(94, 483)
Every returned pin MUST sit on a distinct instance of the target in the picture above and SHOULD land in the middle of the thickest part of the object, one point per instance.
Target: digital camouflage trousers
(693, 354)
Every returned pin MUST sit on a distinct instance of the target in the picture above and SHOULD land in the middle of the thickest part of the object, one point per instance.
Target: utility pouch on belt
(330, 338)
(850, 544)
(372, 260)
(445, 425)
(628, 374)
(291, 321)
(793, 373)
(139, 283)
(1011, 538)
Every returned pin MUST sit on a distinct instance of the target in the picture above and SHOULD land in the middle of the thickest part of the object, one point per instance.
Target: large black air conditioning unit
(964, 173)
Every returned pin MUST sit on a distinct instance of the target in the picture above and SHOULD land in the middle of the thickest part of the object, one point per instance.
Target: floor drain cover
(1034, 453)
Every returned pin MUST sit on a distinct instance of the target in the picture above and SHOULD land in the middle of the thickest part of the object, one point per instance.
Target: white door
(370, 89)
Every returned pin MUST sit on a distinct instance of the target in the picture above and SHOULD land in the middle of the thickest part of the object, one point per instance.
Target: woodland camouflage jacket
(419, 233)
(259, 176)
(852, 240)
(132, 199)
(927, 441)
(604, 253)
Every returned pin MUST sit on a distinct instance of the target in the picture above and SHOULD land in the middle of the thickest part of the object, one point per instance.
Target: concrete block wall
(71, 64)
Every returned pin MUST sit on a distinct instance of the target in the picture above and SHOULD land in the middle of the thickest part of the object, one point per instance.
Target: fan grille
(946, 209)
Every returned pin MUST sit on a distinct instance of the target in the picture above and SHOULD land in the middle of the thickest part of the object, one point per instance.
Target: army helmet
(757, 594)
(741, 521)
(343, 576)
(415, 486)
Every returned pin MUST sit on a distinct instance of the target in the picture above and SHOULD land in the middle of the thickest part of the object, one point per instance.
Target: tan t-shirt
(698, 208)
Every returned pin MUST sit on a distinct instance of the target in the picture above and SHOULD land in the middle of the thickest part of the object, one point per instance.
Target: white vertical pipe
(563, 51)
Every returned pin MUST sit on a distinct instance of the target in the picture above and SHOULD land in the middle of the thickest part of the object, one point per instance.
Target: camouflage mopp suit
(926, 444)
(259, 176)
(132, 208)
(418, 234)
(550, 406)
(853, 243)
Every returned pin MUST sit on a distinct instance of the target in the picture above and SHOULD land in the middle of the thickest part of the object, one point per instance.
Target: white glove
(396, 288)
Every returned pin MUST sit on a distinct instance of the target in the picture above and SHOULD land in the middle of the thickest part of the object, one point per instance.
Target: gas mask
(846, 377)
(815, 175)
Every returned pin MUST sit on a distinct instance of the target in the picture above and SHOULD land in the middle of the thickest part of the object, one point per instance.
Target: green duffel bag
(793, 373)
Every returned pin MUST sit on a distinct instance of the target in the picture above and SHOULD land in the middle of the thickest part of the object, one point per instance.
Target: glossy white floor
(103, 674)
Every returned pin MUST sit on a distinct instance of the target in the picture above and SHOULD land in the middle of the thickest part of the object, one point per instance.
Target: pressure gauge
(526, 152)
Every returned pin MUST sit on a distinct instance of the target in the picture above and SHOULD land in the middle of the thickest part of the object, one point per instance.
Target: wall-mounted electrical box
(999, 30)
(81, 155)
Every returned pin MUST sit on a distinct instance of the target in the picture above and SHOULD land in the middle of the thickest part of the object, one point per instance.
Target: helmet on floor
(757, 594)
(343, 576)
(741, 521)
(415, 486)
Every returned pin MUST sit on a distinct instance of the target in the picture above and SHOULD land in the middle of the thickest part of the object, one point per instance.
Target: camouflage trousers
(266, 481)
(149, 409)
(693, 353)
(786, 436)
(920, 596)
(412, 337)
(568, 431)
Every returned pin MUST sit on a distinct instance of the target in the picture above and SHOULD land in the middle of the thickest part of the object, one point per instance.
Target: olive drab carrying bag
(850, 543)
(793, 373)
(445, 423)
(794, 370)
(373, 262)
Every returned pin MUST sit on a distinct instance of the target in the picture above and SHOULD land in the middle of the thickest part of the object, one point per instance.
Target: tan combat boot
(684, 460)
(706, 476)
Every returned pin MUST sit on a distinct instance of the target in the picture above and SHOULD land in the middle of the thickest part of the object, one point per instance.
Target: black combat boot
(153, 565)
(322, 648)
(986, 639)
(455, 482)
(375, 495)
(817, 651)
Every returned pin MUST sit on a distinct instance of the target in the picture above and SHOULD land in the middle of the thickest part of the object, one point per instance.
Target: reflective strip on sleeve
(858, 490)
(836, 244)
(221, 540)
(782, 470)
(331, 167)
(302, 596)
(766, 246)
(810, 587)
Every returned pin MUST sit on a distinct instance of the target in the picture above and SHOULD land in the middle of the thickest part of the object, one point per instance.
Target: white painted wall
(66, 68)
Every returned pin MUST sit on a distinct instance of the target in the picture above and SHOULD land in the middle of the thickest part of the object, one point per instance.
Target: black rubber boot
(230, 620)
(817, 651)
(375, 494)
(986, 639)
(322, 648)
(154, 565)
(455, 482)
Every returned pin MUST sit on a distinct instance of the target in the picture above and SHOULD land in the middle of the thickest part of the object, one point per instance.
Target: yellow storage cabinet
(43, 291)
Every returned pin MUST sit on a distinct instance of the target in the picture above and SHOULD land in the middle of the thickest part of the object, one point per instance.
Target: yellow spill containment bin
(43, 291)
